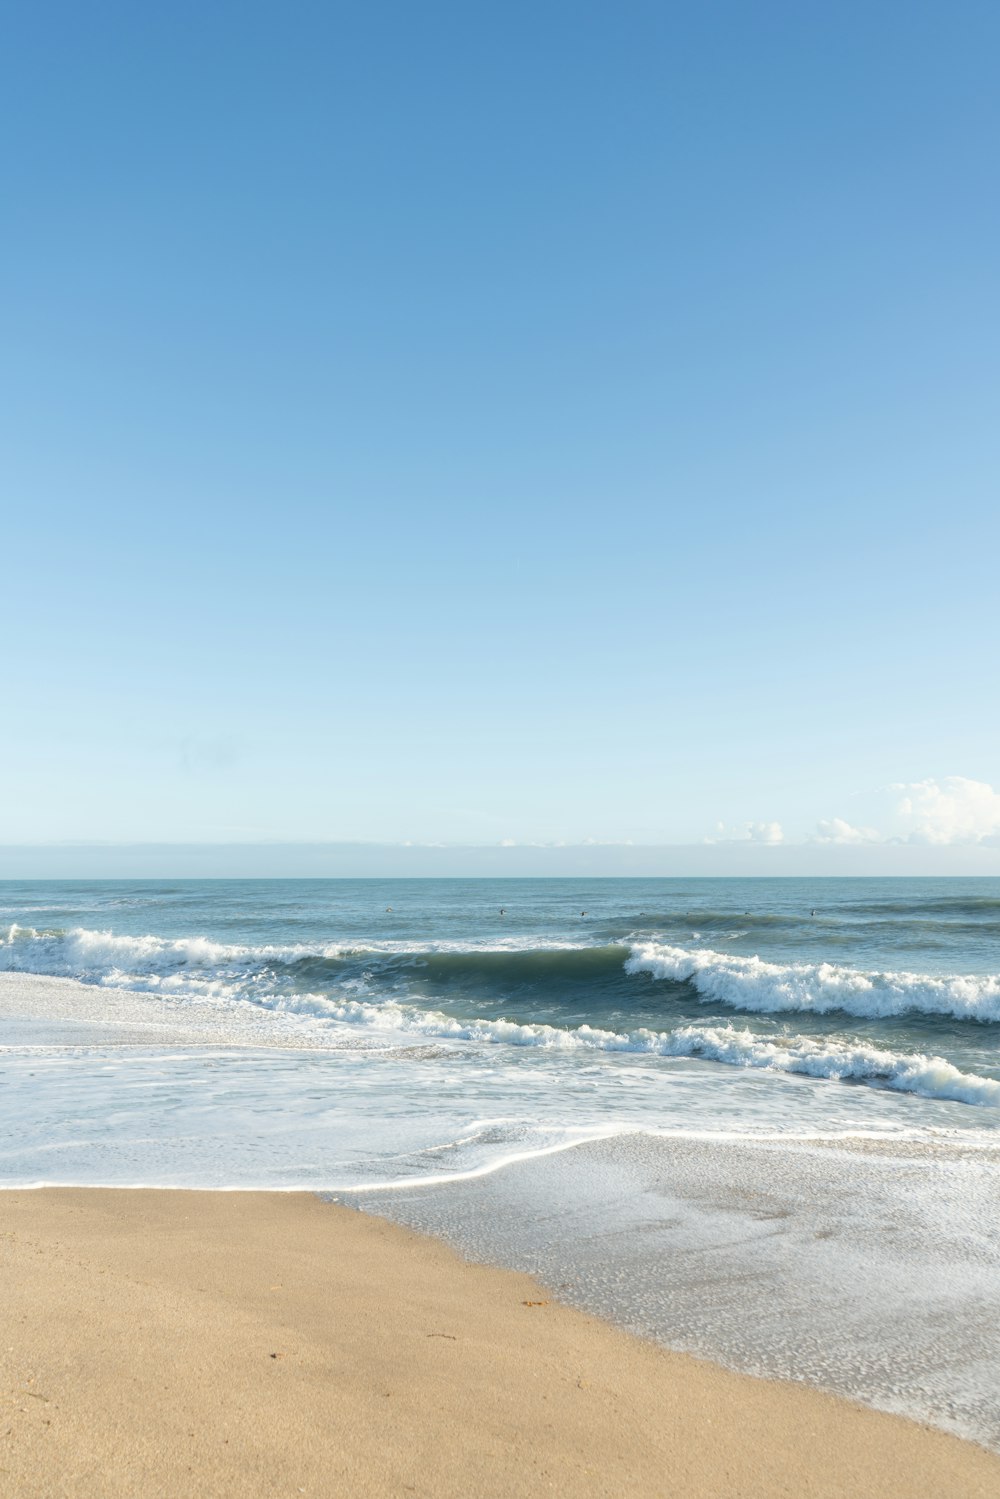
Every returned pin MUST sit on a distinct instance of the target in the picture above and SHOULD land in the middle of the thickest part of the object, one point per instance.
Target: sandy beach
(221, 1344)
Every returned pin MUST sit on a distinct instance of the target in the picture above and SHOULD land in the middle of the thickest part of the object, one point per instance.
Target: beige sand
(160, 1344)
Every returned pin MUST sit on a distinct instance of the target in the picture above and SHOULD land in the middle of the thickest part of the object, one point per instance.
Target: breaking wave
(751, 984)
(115, 959)
(930, 1077)
(745, 983)
(340, 984)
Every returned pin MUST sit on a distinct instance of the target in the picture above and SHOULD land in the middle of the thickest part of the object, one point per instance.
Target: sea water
(754, 1118)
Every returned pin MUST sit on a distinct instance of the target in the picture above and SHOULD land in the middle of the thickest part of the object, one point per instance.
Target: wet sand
(240, 1344)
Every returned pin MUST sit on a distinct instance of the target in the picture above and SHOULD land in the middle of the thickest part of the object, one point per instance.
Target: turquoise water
(371, 1031)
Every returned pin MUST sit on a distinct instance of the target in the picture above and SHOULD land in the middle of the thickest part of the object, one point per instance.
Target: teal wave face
(891, 965)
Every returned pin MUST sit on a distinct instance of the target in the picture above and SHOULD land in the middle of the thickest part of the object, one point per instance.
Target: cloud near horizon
(949, 810)
(749, 832)
(836, 830)
(952, 810)
(936, 811)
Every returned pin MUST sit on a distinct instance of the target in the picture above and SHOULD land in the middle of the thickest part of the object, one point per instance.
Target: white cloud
(765, 832)
(836, 830)
(748, 832)
(937, 811)
(951, 810)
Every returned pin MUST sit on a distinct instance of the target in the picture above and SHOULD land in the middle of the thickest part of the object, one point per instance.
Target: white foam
(750, 983)
(113, 1086)
(927, 1076)
(196, 968)
(120, 960)
(109, 958)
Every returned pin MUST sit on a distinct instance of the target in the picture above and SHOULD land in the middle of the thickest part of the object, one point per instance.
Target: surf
(742, 982)
(753, 984)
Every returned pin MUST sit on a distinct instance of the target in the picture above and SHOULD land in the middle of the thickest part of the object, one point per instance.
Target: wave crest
(752, 984)
(195, 968)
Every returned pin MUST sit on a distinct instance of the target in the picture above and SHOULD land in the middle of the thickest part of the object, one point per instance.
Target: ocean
(753, 1118)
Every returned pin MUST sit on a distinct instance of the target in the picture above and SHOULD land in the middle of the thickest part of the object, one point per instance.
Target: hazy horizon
(319, 860)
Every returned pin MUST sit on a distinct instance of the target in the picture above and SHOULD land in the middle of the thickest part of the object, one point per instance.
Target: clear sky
(478, 422)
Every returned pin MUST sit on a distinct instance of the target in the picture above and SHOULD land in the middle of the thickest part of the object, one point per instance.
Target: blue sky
(528, 423)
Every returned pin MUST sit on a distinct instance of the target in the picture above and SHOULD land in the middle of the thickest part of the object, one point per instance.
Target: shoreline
(244, 1343)
(863, 1265)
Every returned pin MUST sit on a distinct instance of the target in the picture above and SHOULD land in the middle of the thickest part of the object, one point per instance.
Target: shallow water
(871, 1269)
(480, 1019)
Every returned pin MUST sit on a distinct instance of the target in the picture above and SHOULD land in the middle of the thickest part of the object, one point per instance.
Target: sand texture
(161, 1344)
